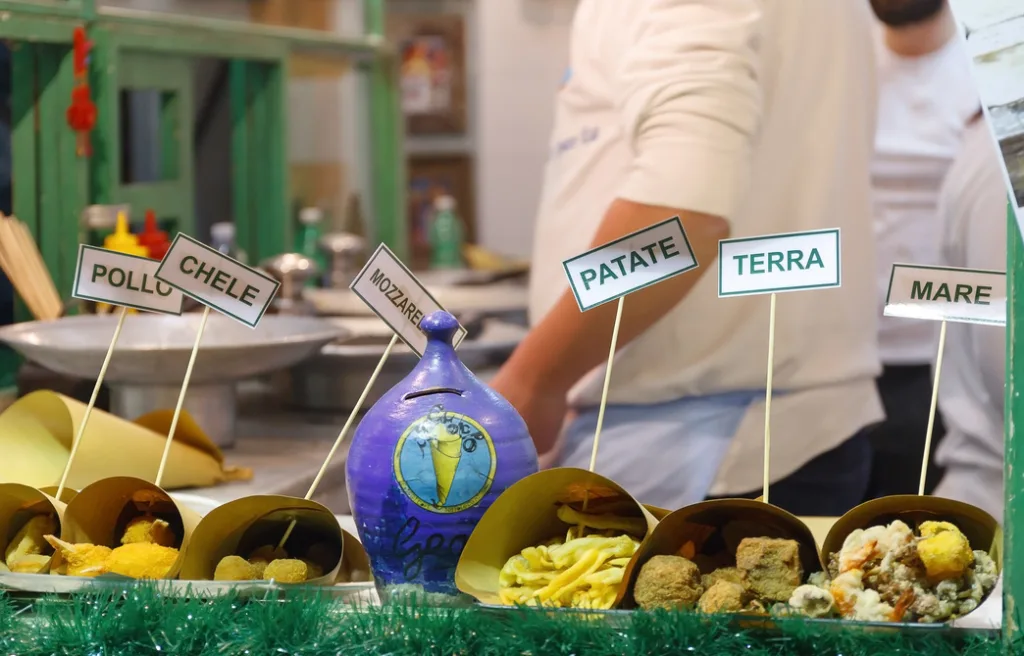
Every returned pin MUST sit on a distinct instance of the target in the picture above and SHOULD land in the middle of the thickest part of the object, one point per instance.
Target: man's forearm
(567, 344)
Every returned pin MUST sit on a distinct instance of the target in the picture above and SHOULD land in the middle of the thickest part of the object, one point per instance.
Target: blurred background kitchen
(296, 135)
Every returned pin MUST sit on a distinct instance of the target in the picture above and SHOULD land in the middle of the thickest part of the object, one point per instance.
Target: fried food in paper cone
(27, 514)
(526, 545)
(726, 555)
(146, 530)
(248, 530)
(912, 558)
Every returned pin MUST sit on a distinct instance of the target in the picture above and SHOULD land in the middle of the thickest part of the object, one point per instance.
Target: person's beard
(900, 13)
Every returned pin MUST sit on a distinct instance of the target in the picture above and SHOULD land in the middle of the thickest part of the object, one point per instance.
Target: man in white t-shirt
(743, 117)
(926, 97)
(973, 211)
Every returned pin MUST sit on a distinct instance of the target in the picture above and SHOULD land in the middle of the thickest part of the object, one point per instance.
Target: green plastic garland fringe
(139, 621)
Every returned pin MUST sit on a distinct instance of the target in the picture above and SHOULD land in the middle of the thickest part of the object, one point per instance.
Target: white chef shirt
(973, 212)
(924, 103)
(760, 111)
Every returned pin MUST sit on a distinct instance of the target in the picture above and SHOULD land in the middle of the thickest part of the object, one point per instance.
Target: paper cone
(702, 523)
(18, 503)
(239, 527)
(524, 515)
(36, 433)
(99, 513)
(355, 562)
(980, 528)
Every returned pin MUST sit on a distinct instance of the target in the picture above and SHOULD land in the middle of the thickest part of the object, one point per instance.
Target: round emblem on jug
(445, 462)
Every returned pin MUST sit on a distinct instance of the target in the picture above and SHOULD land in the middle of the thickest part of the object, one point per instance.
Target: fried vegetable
(30, 564)
(147, 528)
(30, 538)
(573, 517)
(234, 568)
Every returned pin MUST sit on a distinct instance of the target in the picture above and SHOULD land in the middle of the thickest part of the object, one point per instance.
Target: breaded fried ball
(668, 582)
(147, 528)
(234, 568)
(286, 570)
(723, 597)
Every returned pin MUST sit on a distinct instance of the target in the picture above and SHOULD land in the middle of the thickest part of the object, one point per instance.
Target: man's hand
(543, 410)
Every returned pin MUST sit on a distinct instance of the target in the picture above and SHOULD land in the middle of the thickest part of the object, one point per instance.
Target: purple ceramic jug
(427, 460)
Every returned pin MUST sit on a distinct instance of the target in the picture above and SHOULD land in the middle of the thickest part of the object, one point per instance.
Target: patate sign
(628, 264)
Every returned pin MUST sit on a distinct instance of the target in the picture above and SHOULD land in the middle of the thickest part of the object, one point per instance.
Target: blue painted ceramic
(427, 461)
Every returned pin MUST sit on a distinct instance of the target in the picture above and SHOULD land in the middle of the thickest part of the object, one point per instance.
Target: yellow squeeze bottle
(122, 241)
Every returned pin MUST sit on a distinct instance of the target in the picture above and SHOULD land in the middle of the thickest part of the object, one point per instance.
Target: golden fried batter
(147, 528)
(234, 568)
(30, 564)
(944, 550)
(286, 570)
(142, 560)
(82, 559)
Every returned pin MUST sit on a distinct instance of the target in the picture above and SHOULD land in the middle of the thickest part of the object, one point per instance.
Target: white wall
(522, 49)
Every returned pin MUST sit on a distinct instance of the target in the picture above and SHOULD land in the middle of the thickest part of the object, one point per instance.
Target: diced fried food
(772, 567)
(234, 568)
(944, 550)
(81, 559)
(668, 582)
(30, 564)
(285, 570)
(723, 597)
(812, 601)
(729, 574)
(147, 528)
(30, 540)
(142, 560)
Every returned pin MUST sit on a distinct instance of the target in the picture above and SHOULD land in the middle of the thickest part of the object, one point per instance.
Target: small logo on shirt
(566, 76)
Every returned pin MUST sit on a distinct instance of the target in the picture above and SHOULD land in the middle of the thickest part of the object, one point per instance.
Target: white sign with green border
(106, 276)
(772, 264)
(394, 294)
(640, 259)
(947, 294)
(214, 279)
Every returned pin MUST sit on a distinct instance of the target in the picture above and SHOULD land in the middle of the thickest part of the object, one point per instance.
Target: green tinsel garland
(140, 621)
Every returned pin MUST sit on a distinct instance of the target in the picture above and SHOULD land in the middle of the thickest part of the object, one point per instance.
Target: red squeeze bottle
(153, 238)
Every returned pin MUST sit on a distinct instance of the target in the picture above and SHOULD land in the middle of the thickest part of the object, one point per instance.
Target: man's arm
(690, 101)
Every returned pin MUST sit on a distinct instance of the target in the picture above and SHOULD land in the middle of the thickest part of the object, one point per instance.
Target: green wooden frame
(258, 79)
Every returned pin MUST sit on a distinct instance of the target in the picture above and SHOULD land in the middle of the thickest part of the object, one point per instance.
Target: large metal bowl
(154, 350)
(152, 353)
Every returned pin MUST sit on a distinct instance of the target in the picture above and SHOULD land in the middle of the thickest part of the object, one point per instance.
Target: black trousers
(898, 442)
(828, 485)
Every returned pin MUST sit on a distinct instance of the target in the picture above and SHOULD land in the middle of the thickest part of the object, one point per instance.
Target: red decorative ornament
(81, 115)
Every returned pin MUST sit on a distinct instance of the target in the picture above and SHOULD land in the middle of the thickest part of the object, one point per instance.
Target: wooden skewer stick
(181, 396)
(604, 402)
(931, 412)
(92, 401)
(344, 431)
(768, 401)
